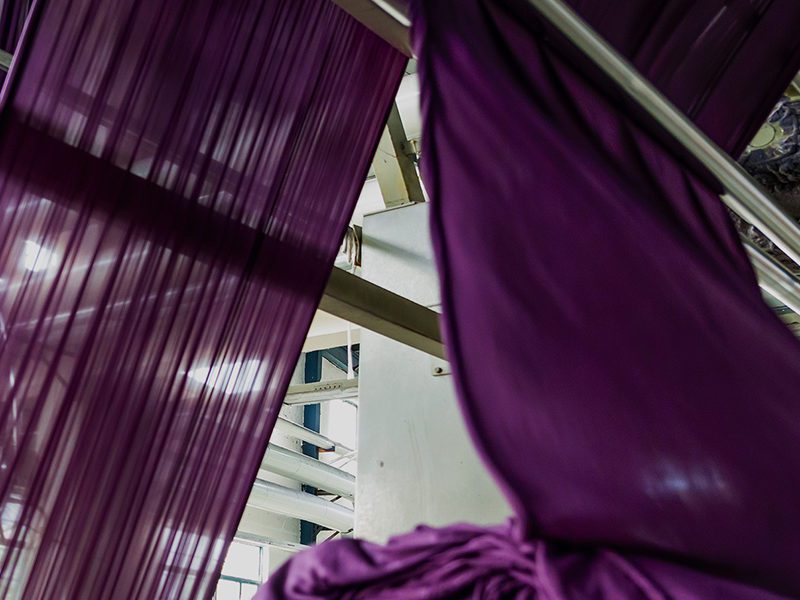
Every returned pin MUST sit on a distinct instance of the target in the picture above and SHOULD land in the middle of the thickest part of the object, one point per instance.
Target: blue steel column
(311, 420)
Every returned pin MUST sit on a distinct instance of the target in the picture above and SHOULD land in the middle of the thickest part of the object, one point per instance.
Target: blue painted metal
(311, 420)
(338, 357)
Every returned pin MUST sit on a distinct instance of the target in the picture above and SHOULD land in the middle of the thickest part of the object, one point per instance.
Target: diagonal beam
(387, 18)
(384, 312)
(5, 60)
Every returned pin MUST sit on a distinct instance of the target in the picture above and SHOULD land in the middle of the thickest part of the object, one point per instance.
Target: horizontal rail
(375, 308)
(300, 505)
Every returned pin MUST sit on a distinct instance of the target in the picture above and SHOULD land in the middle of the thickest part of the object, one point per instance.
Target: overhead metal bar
(377, 309)
(393, 165)
(323, 391)
(300, 505)
(744, 195)
(387, 18)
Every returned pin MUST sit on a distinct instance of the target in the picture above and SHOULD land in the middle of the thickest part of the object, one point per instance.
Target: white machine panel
(416, 462)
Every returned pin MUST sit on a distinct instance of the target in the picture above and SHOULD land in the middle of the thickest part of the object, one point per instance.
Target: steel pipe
(300, 505)
(309, 436)
(377, 309)
(308, 470)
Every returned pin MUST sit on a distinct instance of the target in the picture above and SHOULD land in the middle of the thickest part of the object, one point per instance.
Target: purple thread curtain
(175, 179)
(635, 392)
(12, 20)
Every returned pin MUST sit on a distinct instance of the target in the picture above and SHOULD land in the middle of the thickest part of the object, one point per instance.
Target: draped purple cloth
(175, 179)
(12, 21)
(635, 392)
(465, 561)
(621, 331)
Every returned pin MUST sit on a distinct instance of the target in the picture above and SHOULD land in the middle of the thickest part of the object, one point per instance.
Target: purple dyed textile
(175, 180)
(634, 392)
(623, 340)
(12, 20)
(470, 562)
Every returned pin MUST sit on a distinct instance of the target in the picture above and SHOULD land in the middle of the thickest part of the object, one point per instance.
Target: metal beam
(308, 470)
(323, 391)
(384, 312)
(387, 18)
(393, 165)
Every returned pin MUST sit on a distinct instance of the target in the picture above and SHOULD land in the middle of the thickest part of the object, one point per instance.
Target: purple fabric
(12, 21)
(600, 285)
(465, 561)
(634, 392)
(175, 179)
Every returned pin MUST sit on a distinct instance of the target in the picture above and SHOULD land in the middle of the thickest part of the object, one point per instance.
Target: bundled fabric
(175, 180)
(634, 392)
(465, 561)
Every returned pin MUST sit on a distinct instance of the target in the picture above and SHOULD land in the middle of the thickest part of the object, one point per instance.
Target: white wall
(416, 461)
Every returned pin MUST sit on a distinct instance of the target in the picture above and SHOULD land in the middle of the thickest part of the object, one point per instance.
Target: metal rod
(394, 169)
(744, 195)
(305, 434)
(306, 469)
(299, 505)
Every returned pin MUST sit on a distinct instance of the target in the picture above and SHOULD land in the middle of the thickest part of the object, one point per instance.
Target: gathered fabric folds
(634, 391)
(465, 561)
(175, 180)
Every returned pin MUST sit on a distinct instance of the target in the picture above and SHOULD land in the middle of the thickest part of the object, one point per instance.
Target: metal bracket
(395, 166)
